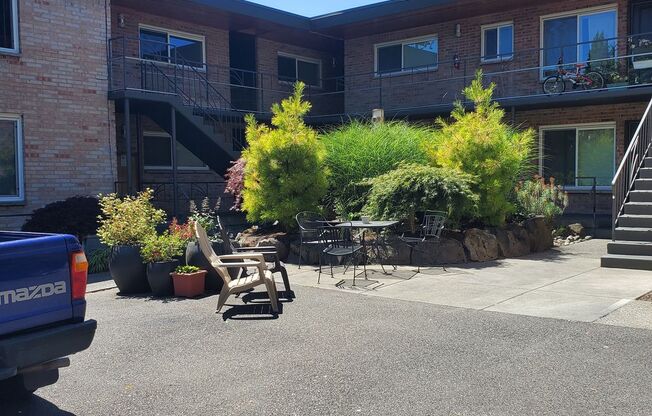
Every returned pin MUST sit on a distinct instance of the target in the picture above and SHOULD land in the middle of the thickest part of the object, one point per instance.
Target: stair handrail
(623, 181)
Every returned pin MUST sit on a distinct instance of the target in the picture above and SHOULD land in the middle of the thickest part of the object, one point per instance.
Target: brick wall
(365, 92)
(58, 84)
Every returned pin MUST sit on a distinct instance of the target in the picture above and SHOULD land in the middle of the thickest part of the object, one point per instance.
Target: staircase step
(638, 208)
(628, 220)
(643, 184)
(647, 162)
(640, 196)
(631, 248)
(622, 261)
(633, 234)
(646, 173)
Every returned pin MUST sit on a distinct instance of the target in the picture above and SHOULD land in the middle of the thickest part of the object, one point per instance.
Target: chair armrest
(243, 256)
(258, 249)
(241, 265)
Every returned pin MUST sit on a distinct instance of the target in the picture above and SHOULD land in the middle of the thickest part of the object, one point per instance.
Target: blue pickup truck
(42, 288)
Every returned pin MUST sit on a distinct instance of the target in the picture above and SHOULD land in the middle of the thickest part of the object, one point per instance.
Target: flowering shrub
(535, 197)
(129, 220)
(205, 215)
(164, 247)
(235, 182)
(184, 231)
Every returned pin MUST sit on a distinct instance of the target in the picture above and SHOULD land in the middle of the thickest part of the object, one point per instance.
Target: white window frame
(14, 29)
(162, 134)
(298, 58)
(578, 127)
(497, 26)
(404, 42)
(168, 33)
(612, 7)
(19, 158)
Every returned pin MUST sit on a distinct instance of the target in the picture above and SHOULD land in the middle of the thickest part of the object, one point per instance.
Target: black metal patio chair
(309, 226)
(337, 241)
(431, 228)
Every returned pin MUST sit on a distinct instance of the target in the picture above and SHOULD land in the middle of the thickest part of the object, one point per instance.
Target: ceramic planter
(127, 269)
(158, 276)
(189, 285)
(194, 257)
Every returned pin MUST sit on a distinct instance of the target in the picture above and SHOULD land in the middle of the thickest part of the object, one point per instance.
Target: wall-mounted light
(121, 20)
(458, 30)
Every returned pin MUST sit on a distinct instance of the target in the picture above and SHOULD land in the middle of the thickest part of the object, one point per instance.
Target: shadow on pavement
(34, 406)
(251, 311)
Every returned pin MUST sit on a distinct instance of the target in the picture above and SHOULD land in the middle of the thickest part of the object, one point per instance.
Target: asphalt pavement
(335, 353)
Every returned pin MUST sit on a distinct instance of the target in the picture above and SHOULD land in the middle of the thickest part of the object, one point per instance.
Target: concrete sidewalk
(564, 283)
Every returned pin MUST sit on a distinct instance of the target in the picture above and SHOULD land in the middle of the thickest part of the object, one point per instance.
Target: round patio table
(370, 225)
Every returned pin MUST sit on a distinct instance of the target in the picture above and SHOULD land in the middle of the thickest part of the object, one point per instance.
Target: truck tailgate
(34, 280)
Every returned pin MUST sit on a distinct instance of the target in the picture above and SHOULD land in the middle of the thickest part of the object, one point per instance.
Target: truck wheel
(13, 389)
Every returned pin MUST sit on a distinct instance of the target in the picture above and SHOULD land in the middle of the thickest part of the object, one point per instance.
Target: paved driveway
(333, 352)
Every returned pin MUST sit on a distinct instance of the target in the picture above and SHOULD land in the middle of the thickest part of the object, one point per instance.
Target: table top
(370, 224)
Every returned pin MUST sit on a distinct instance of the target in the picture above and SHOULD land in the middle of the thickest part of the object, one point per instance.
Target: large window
(157, 153)
(497, 42)
(579, 37)
(167, 46)
(408, 55)
(9, 26)
(11, 159)
(573, 155)
(295, 68)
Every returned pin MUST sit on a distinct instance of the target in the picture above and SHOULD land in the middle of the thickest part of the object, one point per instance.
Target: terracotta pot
(158, 276)
(127, 270)
(189, 285)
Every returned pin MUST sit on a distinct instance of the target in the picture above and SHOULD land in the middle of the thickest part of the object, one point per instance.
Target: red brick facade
(58, 85)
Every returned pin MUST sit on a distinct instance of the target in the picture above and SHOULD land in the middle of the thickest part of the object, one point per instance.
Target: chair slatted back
(433, 224)
(207, 251)
(335, 236)
(309, 223)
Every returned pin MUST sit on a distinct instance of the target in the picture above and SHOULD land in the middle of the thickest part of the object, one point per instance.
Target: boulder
(577, 229)
(481, 245)
(512, 241)
(280, 240)
(309, 252)
(539, 233)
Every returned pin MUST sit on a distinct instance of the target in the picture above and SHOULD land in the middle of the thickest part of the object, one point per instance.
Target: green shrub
(284, 172)
(359, 151)
(413, 188)
(129, 220)
(535, 197)
(164, 247)
(76, 216)
(481, 144)
(187, 269)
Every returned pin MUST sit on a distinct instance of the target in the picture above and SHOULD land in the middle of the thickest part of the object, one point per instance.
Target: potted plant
(189, 281)
(207, 218)
(641, 50)
(124, 224)
(161, 252)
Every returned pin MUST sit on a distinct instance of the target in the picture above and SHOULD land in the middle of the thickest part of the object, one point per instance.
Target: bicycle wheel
(554, 84)
(594, 81)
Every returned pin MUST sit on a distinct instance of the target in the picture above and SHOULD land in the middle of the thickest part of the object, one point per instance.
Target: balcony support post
(127, 136)
(173, 139)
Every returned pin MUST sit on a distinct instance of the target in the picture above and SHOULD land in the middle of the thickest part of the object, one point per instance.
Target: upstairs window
(295, 68)
(11, 159)
(408, 55)
(172, 47)
(497, 42)
(9, 26)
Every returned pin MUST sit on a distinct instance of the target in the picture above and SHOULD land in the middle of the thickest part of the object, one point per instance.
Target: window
(172, 47)
(157, 153)
(572, 154)
(497, 42)
(419, 54)
(295, 68)
(9, 26)
(11, 159)
(579, 37)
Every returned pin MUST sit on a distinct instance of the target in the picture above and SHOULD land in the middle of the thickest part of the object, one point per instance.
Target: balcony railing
(626, 64)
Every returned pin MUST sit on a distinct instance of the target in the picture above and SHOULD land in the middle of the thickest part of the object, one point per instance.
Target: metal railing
(627, 173)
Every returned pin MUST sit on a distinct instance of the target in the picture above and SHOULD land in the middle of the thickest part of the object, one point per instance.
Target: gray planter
(194, 257)
(127, 270)
(158, 276)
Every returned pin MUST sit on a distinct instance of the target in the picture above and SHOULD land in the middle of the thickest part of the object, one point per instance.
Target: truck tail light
(78, 274)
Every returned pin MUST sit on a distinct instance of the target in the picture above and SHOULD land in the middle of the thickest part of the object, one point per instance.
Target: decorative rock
(281, 241)
(309, 252)
(540, 234)
(481, 245)
(577, 229)
(512, 242)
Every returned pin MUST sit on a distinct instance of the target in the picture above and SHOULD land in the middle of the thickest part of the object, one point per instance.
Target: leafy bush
(185, 231)
(284, 171)
(98, 261)
(235, 182)
(186, 269)
(129, 220)
(205, 215)
(76, 216)
(535, 197)
(359, 151)
(413, 188)
(481, 144)
(164, 247)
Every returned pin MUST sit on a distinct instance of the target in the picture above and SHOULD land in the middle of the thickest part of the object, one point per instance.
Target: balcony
(625, 64)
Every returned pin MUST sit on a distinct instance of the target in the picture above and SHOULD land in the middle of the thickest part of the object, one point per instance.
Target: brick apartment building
(178, 75)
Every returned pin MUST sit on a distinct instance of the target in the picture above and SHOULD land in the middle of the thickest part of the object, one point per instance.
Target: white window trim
(298, 58)
(577, 127)
(612, 7)
(19, 159)
(403, 42)
(499, 58)
(168, 33)
(153, 167)
(15, 50)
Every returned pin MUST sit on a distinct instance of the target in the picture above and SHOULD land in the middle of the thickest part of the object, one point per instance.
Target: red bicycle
(587, 80)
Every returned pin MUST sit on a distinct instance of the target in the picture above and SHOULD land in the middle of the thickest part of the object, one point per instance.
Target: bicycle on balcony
(580, 78)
